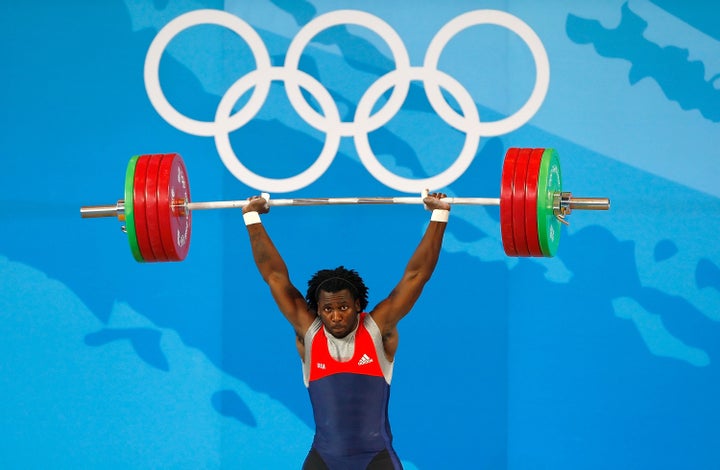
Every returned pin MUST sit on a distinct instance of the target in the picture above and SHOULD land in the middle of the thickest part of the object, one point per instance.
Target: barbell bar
(157, 208)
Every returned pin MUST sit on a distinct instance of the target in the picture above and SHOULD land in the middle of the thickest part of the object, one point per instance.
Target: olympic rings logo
(364, 120)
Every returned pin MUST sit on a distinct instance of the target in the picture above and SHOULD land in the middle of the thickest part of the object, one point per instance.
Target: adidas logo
(365, 359)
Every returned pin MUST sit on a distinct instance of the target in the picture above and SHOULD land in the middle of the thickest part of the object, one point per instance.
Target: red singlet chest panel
(364, 360)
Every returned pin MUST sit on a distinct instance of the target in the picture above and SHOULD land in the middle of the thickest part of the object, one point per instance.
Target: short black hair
(335, 280)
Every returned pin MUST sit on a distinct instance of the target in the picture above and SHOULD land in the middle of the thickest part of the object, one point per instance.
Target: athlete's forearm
(423, 261)
(267, 257)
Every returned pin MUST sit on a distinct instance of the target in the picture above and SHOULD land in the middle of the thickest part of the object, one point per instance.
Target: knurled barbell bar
(157, 209)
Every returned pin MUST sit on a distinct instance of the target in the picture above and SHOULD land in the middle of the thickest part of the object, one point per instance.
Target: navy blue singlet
(350, 405)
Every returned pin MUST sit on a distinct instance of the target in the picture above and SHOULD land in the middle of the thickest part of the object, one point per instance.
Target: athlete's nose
(335, 316)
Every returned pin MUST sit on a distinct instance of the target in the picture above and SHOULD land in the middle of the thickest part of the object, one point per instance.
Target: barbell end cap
(95, 212)
(589, 203)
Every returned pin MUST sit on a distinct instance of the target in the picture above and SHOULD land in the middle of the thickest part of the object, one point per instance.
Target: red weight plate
(151, 209)
(506, 196)
(175, 226)
(531, 188)
(518, 202)
(141, 230)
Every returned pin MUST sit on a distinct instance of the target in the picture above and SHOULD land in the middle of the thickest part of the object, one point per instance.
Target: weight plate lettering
(173, 190)
(549, 185)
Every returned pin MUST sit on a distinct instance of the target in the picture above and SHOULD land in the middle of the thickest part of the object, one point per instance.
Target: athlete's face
(338, 311)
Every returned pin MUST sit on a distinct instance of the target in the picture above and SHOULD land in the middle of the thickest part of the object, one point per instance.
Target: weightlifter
(347, 353)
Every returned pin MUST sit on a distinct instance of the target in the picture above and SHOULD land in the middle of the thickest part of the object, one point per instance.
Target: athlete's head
(337, 295)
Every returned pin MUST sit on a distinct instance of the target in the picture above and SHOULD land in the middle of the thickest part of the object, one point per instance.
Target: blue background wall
(605, 356)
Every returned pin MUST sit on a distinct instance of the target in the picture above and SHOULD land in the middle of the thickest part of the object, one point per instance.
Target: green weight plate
(549, 184)
(128, 208)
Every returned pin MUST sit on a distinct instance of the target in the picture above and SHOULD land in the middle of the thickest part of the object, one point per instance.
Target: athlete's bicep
(401, 300)
(291, 304)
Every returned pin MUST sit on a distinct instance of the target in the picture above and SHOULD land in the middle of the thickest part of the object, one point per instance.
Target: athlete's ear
(357, 306)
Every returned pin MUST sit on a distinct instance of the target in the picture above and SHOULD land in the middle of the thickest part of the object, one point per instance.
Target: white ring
(542, 71)
(161, 41)
(278, 185)
(328, 20)
(329, 122)
(441, 180)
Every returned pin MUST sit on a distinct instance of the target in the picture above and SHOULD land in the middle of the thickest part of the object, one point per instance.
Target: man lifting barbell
(347, 353)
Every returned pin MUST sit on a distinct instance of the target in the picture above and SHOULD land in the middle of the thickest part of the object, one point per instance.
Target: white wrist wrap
(440, 215)
(251, 217)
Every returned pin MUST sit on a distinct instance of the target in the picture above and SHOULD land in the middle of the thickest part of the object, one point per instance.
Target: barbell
(157, 209)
